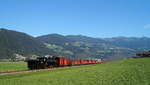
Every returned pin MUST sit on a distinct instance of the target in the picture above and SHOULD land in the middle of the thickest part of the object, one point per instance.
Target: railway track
(29, 71)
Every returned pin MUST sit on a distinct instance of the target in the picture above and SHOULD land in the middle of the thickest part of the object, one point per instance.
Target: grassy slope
(12, 66)
(124, 72)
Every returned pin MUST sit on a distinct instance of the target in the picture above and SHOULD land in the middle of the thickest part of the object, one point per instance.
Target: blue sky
(96, 18)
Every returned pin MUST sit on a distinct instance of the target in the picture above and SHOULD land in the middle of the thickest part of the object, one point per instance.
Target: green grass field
(123, 72)
(12, 66)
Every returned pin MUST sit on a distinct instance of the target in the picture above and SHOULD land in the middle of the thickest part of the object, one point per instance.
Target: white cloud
(147, 26)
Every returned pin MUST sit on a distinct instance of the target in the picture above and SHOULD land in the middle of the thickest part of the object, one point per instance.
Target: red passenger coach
(63, 61)
(68, 62)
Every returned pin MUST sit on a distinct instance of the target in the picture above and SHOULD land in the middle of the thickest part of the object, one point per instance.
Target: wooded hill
(75, 46)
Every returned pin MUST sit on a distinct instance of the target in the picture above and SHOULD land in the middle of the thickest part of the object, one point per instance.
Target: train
(53, 61)
(143, 54)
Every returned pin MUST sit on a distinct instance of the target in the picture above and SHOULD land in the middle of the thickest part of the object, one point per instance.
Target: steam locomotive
(52, 61)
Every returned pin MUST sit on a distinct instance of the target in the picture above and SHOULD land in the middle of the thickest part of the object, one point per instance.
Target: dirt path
(29, 71)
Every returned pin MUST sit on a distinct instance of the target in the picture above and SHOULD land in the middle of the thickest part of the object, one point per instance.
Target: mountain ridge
(76, 46)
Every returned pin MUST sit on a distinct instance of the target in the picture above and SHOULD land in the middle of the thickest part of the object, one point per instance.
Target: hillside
(108, 48)
(75, 46)
(54, 39)
(12, 42)
(124, 72)
(135, 43)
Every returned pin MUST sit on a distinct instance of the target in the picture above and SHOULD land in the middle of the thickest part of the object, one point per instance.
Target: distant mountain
(12, 42)
(82, 38)
(54, 39)
(74, 46)
(138, 44)
(110, 48)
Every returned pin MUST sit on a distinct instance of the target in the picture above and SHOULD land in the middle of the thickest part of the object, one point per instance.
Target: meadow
(12, 66)
(123, 72)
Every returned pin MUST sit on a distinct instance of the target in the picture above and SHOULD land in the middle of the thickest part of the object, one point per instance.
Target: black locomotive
(42, 63)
